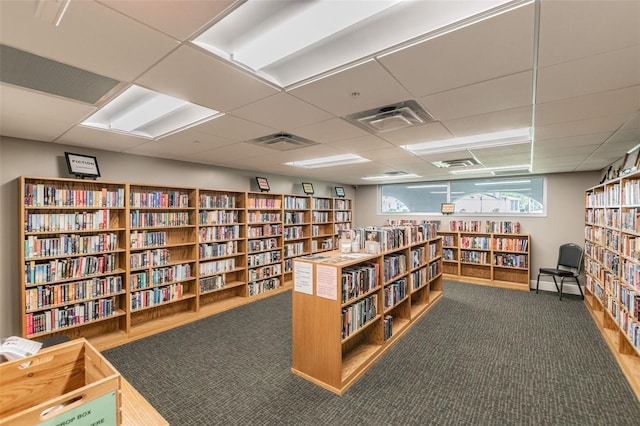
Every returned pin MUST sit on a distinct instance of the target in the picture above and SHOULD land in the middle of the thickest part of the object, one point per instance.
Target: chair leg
(556, 283)
(561, 283)
(580, 288)
(537, 283)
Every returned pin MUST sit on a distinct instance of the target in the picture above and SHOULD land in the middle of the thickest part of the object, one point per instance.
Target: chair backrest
(570, 257)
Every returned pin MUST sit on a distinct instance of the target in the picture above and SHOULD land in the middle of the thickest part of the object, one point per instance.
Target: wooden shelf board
(487, 282)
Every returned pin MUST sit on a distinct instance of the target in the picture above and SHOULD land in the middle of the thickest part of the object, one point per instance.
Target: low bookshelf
(349, 308)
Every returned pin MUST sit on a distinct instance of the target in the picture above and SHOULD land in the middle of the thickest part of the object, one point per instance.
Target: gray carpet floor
(481, 356)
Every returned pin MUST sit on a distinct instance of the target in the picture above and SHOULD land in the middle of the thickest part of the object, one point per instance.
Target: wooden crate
(69, 383)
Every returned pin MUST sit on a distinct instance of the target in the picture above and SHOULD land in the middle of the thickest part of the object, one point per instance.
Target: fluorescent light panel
(334, 160)
(388, 177)
(486, 140)
(523, 167)
(144, 113)
(505, 182)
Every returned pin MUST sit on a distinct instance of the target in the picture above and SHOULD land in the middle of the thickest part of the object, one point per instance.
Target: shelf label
(303, 277)
(327, 282)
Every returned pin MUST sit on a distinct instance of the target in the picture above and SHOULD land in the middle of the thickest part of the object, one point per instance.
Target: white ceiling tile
(603, 127)
(472, 54)
(374, 85)
(32, 115)
(99, 139)
(417, 134)
(283, 112)
(492, 122)
(588, 33)
(593, 74)
(494, 95)
(86, 38)
(234, 128)
(161, 14)
(571, 141)
(206, 81)
(334, 130)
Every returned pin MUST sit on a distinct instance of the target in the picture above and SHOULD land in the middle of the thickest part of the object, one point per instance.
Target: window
(504, 196)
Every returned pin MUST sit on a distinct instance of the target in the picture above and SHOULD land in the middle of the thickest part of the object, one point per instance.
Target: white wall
(38, 159)
(563, 223)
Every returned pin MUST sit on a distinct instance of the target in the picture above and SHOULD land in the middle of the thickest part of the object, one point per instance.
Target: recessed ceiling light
(144, 113)
(486, 140)
(525, 168)
(334, 160)
(386, 177)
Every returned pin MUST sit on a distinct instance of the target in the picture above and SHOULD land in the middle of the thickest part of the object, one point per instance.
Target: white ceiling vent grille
(461, 162)
(282, 142)
(34, 72)
(391, 117)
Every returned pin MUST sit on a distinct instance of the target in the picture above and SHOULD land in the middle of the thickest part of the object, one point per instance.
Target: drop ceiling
(568, 69)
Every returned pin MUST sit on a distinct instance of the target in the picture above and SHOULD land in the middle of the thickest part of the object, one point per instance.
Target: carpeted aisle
(481, 356)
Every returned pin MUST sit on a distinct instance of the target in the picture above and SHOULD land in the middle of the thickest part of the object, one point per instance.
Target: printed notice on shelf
(303, 277)
(327, 282)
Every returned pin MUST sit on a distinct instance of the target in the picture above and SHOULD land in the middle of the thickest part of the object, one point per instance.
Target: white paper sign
(327, 282)
(303, 277)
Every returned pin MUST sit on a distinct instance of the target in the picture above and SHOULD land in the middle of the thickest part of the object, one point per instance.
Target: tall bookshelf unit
(349, 308)
(322, 228)
(73, 251)
(222, 251)
(612, 269)
(114, 262)
(487, 258)
(342, 217)
(265, 244)
(297, 231)
(162, 253)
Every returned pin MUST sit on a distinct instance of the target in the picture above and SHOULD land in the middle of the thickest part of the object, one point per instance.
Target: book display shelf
(342, 211)
(297, 231)
(348, 308)
(612, 269)
(322, 228)
(499, 257)
(113, 262)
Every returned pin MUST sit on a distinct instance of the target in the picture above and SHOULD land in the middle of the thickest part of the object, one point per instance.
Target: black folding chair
(569, 266)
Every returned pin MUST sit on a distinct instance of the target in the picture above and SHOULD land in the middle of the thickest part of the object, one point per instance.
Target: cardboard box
(66, 384)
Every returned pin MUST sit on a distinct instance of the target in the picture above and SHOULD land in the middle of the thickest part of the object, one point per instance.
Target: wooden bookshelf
(297, 231)
(165, 256)
(73, 251)
(342, 218)
(265, 244)
(331, 347)
(494, 259)
(222, 248)
(322, 230)
(612, 269)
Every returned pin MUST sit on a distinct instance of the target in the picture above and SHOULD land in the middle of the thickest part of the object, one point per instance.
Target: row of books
(217, 201)
(419, 256)
(212, 283)
(479, 257)
(320, 230)
(435, 269)
(394, 293)
(320, 217)
(155, 296)
(169, 274)
(258, 287)
(264, 258)
(510, 244)
(69, 244)
(40, 195)
(418, 278)
(263, 272)
(358, 279)
(481, 243)
(265, 244)
(355, 316)
(159, 199)
(321, 245)
(60, 294)
(266, 230)
(511, 260)
(294, 249)
(144, 239)
(295, 203)
(342, 216)
(66, 316)
(429, 227)
(293, 232)
(394, 265)
(321, 204)
(147, 258)
(219, 217)
(340, 204)
(218, 233)
(624, 319)
(291, 218)
(497, 227)
(209, 250)
(216, 266)
(258, 202)
(63, 269)
(630, 220)
(387, 327)
(140, 219)
(630, 246)
(261, 217)
(61, 222)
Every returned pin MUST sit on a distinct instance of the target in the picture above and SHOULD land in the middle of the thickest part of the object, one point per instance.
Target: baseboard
(567, 288)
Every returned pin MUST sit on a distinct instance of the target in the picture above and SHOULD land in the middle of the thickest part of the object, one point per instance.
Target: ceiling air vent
(35, 72)
(391, 117)
(282, 142)
(461, 162)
